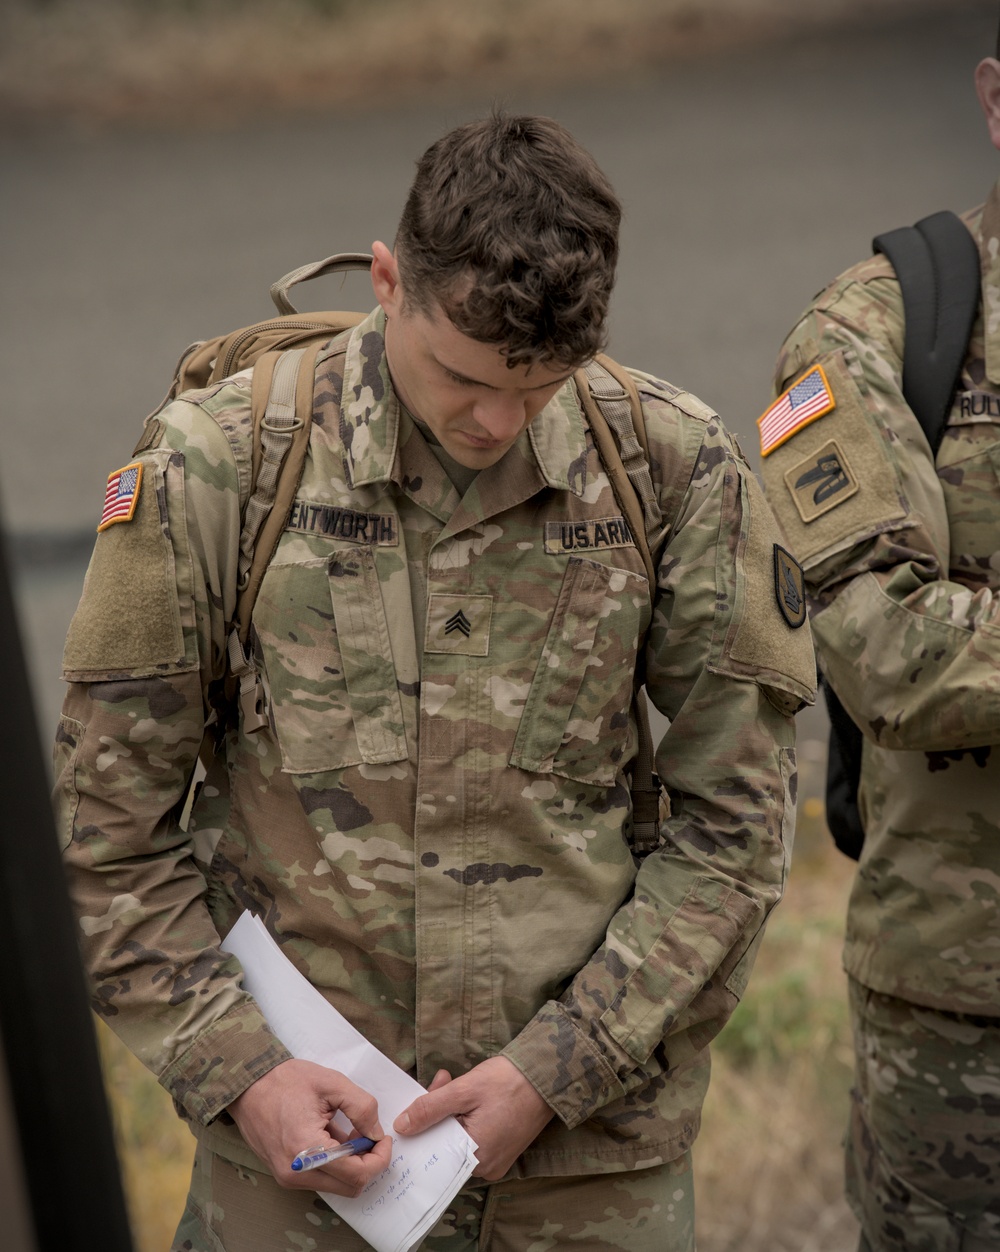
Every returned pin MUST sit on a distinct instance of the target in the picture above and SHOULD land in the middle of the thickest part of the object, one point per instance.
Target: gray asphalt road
(748, 182)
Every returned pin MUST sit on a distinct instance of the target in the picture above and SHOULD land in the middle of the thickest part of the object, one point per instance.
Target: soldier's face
(463, 390)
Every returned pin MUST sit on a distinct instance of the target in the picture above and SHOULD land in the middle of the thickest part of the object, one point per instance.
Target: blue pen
(312, 1158)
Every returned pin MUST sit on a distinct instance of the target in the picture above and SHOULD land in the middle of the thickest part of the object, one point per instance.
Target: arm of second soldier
(909, 647)
(728, 670)
(145, 643)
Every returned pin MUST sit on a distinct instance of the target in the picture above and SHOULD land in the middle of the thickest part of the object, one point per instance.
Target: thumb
(427, 1110)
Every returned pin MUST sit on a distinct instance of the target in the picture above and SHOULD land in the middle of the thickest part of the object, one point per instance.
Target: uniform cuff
(570, 1069)
(222, 1062)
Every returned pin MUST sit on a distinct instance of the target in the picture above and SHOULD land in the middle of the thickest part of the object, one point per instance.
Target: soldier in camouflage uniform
(902, 561)
(433, 821)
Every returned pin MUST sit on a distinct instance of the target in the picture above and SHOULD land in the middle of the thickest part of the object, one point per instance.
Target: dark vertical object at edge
(60, 1114)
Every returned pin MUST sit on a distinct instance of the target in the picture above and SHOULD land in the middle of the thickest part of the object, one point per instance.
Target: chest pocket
(575, 718)
(328, 663)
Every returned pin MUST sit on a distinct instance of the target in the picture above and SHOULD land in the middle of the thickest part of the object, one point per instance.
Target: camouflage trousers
(923, 1145)
(232, 1209)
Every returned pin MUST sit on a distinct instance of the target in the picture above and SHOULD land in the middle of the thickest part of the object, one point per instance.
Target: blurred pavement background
(748, 179)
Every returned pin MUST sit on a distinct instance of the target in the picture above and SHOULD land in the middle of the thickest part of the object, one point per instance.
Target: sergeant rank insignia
(802, 403)
(789, 587)
(121, 495)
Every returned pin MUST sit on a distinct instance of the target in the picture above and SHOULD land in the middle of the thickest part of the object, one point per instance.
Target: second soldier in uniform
(901, 548)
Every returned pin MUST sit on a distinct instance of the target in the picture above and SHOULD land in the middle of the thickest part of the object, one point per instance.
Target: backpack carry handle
(315, 269)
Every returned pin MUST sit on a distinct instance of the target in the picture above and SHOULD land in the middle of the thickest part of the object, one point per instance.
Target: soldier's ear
(987, 78)
(385, 279)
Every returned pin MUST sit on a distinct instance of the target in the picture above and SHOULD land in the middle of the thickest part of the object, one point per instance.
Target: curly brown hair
(511, 227)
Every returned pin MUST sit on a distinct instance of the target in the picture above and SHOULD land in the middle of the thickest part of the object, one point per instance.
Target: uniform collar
(554, 445)
(989, 251)
(369, 409)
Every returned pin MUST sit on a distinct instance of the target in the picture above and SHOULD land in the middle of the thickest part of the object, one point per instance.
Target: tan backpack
(282, 353)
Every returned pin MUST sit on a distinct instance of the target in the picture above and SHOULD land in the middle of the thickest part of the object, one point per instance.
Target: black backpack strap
(843, 776)
(937, 264)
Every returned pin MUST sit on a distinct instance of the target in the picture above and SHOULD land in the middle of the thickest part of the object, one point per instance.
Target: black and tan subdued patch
(593, 535)
(789, 587)
(821, 481)
(459, 624)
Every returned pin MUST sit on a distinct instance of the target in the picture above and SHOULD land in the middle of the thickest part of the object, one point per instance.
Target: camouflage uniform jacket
(432, 824)
(902, 560)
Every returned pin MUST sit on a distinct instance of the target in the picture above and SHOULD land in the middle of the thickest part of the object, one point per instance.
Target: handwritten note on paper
(397, 1209)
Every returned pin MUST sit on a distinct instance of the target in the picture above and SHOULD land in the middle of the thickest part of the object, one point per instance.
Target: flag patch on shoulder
(801, 404)
(121, 495)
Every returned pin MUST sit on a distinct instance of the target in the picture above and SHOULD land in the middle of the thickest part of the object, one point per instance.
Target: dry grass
(768, 1161)
(155, 1148)
(216, 62)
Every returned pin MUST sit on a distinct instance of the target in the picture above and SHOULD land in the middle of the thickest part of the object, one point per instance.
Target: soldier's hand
(495, 1103)
(288, 1111)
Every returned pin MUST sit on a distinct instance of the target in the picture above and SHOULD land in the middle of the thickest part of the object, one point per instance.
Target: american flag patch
(121, 496)
(801, 404)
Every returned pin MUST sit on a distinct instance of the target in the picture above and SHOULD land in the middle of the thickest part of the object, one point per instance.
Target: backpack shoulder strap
(281, 405)
(614, 412)
(937, 265)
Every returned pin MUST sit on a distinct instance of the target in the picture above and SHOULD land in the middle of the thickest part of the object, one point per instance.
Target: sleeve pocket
(65, 797)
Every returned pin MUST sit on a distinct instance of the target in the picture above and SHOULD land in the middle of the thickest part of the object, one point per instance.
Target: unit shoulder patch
(803, 402)
(821, 481)
(789, 587)
(121, 495)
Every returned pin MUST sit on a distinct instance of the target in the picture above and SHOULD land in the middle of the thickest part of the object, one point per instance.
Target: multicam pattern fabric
(433, 823)
(923, 1156)
(648, 1210)
(902, 561)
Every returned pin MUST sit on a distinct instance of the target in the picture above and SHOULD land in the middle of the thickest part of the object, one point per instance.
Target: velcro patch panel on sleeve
(835, 484)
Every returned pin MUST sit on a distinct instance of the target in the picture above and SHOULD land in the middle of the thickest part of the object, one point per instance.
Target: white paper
(397, 1209)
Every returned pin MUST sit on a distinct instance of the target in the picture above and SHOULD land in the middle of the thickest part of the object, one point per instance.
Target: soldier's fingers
(350, 1176)
(428, 1110)
(357, 1105)
(440, 1079)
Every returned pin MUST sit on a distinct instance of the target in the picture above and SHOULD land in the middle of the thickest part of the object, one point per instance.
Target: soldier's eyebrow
(475, 382)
